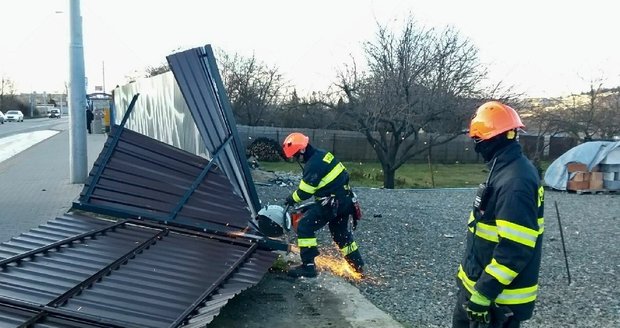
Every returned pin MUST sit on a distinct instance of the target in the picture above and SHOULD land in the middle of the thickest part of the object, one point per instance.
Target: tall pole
(557, 212)
(103, 73)
(32, 102)
(77, 94)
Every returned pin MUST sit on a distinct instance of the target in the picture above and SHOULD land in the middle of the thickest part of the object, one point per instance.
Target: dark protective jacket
(323, 175)
(504, 241)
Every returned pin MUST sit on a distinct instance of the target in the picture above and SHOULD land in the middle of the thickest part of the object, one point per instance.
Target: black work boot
(355, 261)
(303, 270)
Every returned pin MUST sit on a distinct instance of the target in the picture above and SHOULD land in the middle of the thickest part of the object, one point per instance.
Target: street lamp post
(77, 95)
(62, 94)
(61, 109)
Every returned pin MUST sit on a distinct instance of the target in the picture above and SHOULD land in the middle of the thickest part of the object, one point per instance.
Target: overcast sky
(543, 48)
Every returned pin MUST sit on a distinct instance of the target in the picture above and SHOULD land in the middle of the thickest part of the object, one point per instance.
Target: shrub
(265, 149)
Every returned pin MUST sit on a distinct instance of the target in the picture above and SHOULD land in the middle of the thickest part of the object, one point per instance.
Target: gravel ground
(412, 241)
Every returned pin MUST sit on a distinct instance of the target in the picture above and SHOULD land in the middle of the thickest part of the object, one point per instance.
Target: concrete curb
(356, 309)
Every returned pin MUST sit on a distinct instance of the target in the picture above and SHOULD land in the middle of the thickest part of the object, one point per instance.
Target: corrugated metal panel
(186, 249)
(244, 278)
(129, 276)
(143, 177)
(13, 317)
(199, 80)
(18, 316)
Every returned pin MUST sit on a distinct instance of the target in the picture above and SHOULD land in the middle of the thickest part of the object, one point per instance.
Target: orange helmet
(493, 118)
(294, 143)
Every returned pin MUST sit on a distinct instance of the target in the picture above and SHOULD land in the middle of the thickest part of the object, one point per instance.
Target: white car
(14, 115)
(54, 113)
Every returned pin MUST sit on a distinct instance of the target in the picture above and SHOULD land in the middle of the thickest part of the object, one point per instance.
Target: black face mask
(308, 152)
(299, 157)
(488, 148)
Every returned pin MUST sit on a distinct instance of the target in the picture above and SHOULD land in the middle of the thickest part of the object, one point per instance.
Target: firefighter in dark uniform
(326, 179)
(498, 276)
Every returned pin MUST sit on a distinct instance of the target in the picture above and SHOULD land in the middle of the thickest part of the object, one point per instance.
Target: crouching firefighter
(498, 276)
(326, 179)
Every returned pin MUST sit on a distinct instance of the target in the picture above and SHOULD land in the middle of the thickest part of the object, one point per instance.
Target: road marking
(13, 145)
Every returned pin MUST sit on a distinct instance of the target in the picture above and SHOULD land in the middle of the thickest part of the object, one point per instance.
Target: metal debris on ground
(269, 178)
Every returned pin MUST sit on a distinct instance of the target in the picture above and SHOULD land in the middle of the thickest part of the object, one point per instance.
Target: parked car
(54, 113)
(14, 115)
(2, 118)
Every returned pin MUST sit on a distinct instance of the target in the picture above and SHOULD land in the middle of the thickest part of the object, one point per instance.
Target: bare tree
(582, 114)
(7, 90)
(545, 121)
(418, 81)
(319, 110)
(253, 87)
(609, 119)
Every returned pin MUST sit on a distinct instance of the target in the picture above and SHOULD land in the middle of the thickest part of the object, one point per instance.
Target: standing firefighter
(498, 276)
(326, 179)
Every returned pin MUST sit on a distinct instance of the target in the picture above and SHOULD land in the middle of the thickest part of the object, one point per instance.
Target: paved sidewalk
(34, 184)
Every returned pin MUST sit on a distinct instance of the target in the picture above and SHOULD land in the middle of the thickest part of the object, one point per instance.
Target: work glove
(477, 309)
(289, 201)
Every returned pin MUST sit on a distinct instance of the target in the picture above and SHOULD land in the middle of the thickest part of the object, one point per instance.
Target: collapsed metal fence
(168, 237)
(79, 271)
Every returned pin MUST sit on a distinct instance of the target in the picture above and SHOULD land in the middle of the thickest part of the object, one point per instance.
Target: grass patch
(407, 176)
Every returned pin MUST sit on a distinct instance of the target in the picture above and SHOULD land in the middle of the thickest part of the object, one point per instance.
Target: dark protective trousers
(460, 320)
(316, 217)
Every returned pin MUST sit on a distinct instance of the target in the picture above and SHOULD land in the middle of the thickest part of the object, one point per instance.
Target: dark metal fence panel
(198, 79)
(122, 277)
(13, 317)
(531, 144)
(560, 145)
(150, 179)
(16, 316)
(353, 146)
(244, 278)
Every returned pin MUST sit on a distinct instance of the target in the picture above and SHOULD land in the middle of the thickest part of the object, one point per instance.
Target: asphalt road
(35, 124)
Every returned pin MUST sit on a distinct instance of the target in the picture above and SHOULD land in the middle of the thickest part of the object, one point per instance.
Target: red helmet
(294, 143)
(493, 118)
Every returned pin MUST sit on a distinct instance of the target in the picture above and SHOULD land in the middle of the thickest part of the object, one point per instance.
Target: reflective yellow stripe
(517, 296)
(329, 177)
(487, 231)
(468, 283)
(328, 158)
(471, 218)
(303, 186)
(483, 230)
(541, 196)
(516, 233)
(507, 296)
(352, 247)
(306, 242)
(478, 298)
(333, 174)
(541, 225)
(296, 197)
(500, 272)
